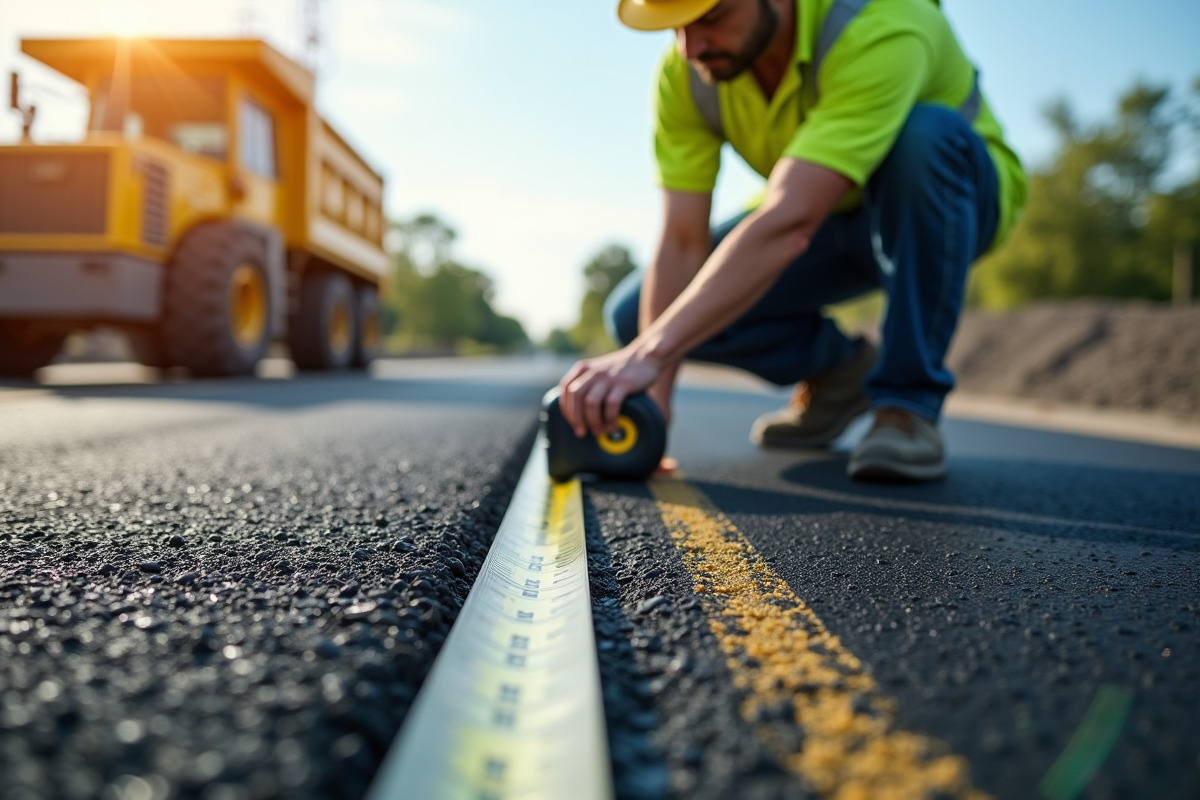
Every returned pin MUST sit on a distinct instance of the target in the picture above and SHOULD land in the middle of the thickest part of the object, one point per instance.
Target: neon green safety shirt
(893, 55)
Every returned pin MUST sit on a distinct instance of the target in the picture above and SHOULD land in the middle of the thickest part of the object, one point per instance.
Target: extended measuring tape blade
(511, 708)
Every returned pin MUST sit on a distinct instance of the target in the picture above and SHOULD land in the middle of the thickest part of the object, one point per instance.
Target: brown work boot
(902, 446)
(821, 407)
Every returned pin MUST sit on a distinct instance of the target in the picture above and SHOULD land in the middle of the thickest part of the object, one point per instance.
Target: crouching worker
(885, 168)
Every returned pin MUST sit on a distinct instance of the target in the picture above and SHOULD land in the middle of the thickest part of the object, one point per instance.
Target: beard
(724, 65)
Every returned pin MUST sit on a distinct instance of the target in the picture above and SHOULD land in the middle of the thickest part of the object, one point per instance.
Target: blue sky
(526, 124)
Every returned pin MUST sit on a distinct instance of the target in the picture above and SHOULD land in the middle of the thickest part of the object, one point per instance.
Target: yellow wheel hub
(621, 440)
(340, 329)
(247, 306)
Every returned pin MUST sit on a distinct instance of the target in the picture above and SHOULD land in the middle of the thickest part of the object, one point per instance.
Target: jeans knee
(924, 141)
(621, 310)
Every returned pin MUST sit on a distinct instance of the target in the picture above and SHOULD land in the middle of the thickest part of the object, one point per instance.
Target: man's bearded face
(721, 62)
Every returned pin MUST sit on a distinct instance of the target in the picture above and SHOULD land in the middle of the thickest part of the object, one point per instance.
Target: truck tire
(24, 350)
(368, 328)
(217, 303)
(322, 334)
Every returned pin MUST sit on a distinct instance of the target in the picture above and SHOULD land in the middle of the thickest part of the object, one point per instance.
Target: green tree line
(1111, 212)
(435, 303)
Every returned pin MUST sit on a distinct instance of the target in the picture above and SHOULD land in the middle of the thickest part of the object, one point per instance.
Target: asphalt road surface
(233, 589)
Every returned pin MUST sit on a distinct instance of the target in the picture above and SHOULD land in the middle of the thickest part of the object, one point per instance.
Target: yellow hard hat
(660, 15)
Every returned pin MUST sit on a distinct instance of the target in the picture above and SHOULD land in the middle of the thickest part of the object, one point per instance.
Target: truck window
(256, 138)
(202, 138)
(184, 110)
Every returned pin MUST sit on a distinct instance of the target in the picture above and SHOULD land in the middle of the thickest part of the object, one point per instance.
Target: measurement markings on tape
(512, 708)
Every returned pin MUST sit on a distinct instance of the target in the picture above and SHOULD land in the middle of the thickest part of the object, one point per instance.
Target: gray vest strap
(835, 22)
(708, 102)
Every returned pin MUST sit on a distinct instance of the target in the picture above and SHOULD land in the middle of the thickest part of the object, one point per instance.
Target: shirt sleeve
(688, 152)
(864, 101)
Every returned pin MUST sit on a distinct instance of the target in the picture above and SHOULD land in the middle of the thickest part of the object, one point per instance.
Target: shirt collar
(806, 25)
(802, 48)
(807, 12)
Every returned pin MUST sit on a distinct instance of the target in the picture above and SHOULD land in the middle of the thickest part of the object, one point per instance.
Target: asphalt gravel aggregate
(235, 610)
(240, 599)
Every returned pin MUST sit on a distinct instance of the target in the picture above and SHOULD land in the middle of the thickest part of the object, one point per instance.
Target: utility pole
(312, 34)
(1182, 288)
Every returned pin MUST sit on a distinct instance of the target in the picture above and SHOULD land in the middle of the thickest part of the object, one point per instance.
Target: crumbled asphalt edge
(672, 711)
(639, 768)
(287, 676)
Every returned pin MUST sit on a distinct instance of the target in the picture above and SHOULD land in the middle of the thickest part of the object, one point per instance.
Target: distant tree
(601, 275)
(426, 240)
(403, 311)
(1099, 221)
(438, 302)
(559, 341)
(454, 296)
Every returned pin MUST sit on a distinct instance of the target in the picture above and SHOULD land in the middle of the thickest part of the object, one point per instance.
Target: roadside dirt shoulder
(1134, 426)
(1090, 354)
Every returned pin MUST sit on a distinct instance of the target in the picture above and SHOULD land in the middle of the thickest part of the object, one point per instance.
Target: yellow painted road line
(780, 652)
(512, 707)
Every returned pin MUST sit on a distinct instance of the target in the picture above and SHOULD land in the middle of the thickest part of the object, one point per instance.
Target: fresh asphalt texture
(233, 589)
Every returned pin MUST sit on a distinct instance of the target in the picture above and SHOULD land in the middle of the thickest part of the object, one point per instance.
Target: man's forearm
(675, 266)
(800, 196)
(729, 282)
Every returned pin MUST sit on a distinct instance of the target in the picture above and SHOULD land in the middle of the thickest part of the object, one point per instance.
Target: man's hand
(592, 391)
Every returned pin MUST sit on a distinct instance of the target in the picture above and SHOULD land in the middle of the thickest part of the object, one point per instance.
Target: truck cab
(207, 212)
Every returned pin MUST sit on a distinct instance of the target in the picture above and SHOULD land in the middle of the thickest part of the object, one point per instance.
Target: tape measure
(512, 707)
(630, 452)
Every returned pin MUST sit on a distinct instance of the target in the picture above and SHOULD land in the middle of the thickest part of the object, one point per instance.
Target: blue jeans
(929, 211)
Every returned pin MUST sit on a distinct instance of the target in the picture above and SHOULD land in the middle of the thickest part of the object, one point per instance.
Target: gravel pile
(1104, 354)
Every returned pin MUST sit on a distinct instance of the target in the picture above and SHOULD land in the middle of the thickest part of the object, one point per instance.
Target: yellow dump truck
(208, 212)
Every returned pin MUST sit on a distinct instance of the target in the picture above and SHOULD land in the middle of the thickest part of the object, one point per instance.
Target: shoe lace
(894, 418)
(802, 396)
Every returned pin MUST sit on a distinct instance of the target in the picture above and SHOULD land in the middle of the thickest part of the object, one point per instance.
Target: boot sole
(826, 438)
(883, 470)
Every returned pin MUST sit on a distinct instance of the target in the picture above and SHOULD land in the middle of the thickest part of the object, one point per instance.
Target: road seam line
(512, 707)
(1089, 746)
(792, 668)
